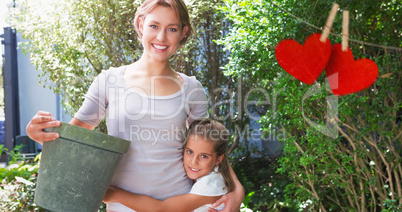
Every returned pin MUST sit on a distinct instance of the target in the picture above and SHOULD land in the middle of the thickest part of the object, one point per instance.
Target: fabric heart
(345, 75)
(305, 62)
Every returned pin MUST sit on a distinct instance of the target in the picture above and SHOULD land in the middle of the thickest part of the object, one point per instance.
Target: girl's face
(161, 33)
(199, 157)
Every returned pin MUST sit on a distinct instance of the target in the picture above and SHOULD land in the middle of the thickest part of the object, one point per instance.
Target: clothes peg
(330, 21)
(345, 30)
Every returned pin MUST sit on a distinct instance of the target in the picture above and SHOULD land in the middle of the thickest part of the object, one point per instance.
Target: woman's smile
(159, 46)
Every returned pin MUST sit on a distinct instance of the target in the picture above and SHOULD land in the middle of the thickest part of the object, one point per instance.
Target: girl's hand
(39, 122)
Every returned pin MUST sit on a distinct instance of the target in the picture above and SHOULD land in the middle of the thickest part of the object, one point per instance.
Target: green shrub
(356, 164)
(18, 181)
(264, 188)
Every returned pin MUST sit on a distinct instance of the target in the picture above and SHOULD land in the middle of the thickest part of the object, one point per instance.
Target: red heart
(345, 75)
(304, 62)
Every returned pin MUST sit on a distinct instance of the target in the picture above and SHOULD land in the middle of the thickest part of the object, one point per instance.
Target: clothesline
(353, 40)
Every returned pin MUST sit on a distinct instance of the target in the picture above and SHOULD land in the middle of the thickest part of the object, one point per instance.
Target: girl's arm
(142, 203)
(233, 199)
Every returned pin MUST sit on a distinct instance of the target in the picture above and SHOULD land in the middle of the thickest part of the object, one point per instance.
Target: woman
(149, 104)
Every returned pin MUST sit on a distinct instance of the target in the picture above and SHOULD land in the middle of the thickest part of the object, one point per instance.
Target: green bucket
(76, 169)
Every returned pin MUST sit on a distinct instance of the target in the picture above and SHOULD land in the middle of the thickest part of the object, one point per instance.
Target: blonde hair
(178, 7)
(216, 133)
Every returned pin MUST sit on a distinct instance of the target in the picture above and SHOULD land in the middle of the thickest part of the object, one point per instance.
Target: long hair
(178, 7)
(216, 133)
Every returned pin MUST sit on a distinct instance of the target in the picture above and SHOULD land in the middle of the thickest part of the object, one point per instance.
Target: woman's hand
(39, 122)
(110, 195)
(232, 201)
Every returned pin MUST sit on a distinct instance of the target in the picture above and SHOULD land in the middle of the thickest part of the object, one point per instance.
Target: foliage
(14, 155)
(18, 195)
(231, 98)
(264, 187)
(17, 165)
(18, 182)
(72, 41)
(358, 169)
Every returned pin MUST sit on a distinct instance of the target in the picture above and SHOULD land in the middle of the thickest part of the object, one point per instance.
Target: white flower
(244, 209)
(13, 166)
(22, 180)
(305, 204)
(372, 163)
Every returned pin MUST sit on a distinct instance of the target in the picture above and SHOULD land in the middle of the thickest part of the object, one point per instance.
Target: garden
(337, 153)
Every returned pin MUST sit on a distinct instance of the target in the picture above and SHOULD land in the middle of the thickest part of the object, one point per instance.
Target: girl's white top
(155, 125)
(212, 184)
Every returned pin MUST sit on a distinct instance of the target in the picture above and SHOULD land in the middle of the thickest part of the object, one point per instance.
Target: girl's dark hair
(218, 134)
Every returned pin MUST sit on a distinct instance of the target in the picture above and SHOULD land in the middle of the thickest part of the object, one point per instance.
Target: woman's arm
(142, 203)
(80, 123)
(233, 199)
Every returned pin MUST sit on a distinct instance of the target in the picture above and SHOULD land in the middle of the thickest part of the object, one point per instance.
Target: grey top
(155, 125)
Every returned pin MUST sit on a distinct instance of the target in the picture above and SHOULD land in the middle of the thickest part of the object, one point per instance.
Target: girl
(205, 160)
(150, 104)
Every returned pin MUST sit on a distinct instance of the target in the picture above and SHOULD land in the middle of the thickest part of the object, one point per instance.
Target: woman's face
(199, 157)
(161, 33)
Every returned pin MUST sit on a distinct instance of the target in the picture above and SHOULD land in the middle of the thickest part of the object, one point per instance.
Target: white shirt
(212, 184)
